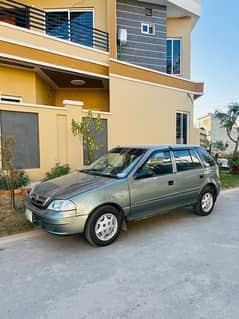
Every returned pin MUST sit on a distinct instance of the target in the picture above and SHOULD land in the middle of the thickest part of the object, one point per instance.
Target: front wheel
(103, 226)
(205, 203)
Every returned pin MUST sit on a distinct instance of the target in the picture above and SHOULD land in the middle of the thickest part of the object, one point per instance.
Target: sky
(215, 54)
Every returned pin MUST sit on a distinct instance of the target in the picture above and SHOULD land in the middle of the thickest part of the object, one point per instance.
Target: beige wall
(17, 82)
(182, 28)
(93, 99)
(142, 113)
(99, 6)
(56, 141)
(57, 144)
(44, 93)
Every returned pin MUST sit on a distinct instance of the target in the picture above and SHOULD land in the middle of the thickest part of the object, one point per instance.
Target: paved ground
(171, 266)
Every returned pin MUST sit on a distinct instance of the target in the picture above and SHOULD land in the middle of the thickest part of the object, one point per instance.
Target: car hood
(70, 185)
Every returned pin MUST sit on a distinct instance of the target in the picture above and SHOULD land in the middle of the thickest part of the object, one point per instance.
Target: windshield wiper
(97, 173)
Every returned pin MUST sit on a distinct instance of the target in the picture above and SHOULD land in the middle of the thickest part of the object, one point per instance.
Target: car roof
(160, 146)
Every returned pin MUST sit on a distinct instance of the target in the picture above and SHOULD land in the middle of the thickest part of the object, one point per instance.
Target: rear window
(205, 157)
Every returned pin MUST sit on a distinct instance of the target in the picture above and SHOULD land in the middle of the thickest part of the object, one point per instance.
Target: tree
(219, 146)
(85, 130)
(230, 120)
(10, 177)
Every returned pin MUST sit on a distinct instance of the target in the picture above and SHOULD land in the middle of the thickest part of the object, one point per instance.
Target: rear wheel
(206, 202)
(103, 226)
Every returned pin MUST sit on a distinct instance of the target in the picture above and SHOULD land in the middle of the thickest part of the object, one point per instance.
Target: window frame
(181, 61)
(151, 154)
(69, 11)
(186, 150)
(188, 126)
(148, 25)
(203, 160)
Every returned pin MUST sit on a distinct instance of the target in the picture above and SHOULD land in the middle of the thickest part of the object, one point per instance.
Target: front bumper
(56, 223)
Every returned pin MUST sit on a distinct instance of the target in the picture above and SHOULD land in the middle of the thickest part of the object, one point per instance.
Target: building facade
(127, 60)
(213, 132)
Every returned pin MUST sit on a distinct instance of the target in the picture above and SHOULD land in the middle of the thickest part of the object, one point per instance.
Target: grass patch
(229, 180)
(12, 222)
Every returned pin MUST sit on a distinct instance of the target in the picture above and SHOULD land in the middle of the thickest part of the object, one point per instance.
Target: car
(223, 163)
(125, 184)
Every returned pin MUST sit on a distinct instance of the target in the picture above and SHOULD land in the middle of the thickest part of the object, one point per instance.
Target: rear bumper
(56, 223)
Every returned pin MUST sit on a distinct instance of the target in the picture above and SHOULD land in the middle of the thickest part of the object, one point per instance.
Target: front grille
(38, 201)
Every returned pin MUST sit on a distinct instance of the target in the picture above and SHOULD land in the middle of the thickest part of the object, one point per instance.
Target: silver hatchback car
(127, 183)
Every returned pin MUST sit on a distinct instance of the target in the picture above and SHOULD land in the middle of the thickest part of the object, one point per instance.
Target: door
(153, 186)
(190, 176)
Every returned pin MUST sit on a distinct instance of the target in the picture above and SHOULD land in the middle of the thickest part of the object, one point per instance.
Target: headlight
(62, 205)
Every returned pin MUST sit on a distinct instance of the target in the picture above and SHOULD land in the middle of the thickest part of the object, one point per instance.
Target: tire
(103, 226)
(205, 203)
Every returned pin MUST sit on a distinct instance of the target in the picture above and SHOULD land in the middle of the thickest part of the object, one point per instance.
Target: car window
(116, 163)
(205, 157)
(160, 163)
(195, 159)
(186, 160)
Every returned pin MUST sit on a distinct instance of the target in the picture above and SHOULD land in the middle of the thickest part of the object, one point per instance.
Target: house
(211, 126)
(127, 60)
(204, 137)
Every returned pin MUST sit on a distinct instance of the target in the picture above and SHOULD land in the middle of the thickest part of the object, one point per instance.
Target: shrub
(234, 162)
(18, 180)
(57, 171)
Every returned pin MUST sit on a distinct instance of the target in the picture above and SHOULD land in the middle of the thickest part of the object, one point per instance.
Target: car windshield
(116, 163)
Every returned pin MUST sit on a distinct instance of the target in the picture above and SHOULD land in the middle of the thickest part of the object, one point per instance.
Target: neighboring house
(125, 59)
(204, 142)
(211, 125)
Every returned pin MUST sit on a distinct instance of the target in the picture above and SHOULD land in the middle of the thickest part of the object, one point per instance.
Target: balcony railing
(29, 17)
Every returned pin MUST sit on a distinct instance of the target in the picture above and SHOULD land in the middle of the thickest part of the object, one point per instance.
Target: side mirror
(143, 172)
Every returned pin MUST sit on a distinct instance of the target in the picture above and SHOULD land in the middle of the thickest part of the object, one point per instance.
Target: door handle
(170, 183)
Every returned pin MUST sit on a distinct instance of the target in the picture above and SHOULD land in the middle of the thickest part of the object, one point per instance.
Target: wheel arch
(117, 206)
(213, 187)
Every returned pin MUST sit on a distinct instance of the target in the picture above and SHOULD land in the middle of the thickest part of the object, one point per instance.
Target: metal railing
(29, 17)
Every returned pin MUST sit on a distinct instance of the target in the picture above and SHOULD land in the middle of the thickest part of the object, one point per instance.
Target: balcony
(54, 25)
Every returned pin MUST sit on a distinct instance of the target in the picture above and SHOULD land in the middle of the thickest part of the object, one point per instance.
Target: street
(176, 265)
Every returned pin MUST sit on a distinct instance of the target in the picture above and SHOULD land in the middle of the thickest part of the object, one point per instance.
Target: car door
(190, 176)
(152, 187)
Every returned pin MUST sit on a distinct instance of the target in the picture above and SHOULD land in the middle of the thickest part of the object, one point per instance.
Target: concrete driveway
(171, 266)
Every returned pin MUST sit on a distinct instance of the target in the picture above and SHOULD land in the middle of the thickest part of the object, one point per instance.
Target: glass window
(182, 128)
(174, 56)
(160, 163)
(195, 159)
(81, 27)
(57, 24)
(76, 26)
(116, 163)
(205, 157)
(186, 160)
